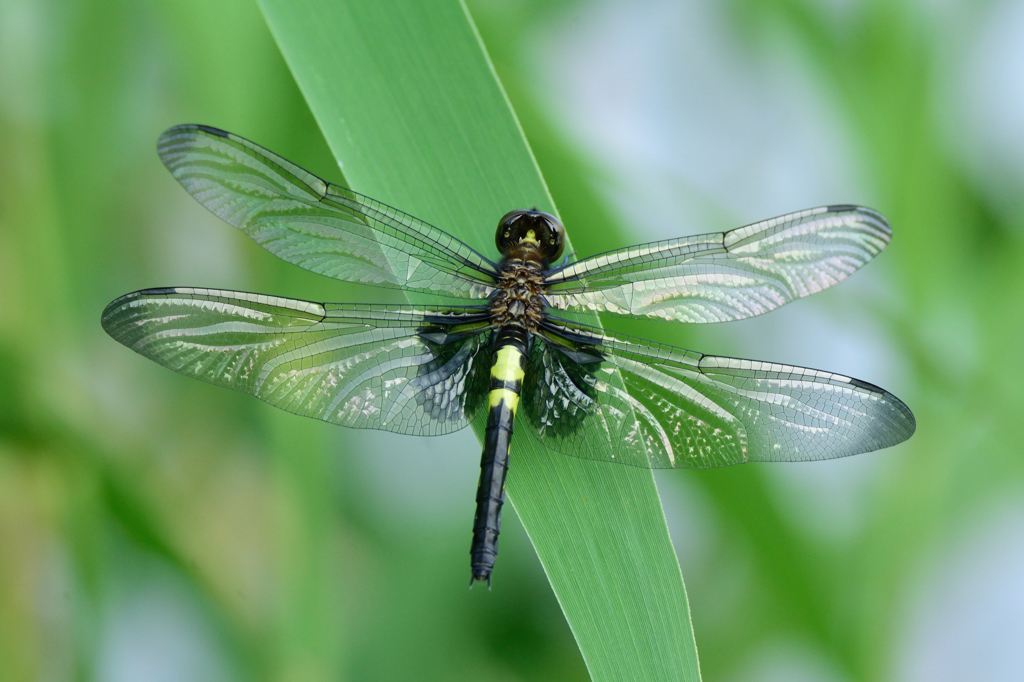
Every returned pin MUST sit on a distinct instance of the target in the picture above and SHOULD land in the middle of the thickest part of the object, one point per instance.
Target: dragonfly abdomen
(507, 371)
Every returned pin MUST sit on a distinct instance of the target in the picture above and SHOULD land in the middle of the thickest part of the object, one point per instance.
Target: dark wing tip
(172, 135)
(115, 306)
(190, 127)
(208, 129)
(903, 422)
(869, 216)
(110, 313)
(879, 219)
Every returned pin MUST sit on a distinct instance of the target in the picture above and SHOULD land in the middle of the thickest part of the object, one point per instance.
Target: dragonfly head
(541, 230)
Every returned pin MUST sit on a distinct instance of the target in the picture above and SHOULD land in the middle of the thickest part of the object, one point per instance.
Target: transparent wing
(726, 275)
(595, 395)
(412, 370)
(321, 227)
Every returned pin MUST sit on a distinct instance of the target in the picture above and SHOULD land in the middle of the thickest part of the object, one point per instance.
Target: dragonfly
(509, 340)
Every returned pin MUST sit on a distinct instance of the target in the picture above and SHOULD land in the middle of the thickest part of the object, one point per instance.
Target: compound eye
(523, 229)
(507, 224)
(553, 242)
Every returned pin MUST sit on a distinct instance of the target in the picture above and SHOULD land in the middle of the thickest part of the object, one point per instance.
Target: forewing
(412, 370)
(321, 227)
(726, 275)
(600, 396)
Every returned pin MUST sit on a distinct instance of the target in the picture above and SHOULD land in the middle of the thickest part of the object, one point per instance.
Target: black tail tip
(478, 575)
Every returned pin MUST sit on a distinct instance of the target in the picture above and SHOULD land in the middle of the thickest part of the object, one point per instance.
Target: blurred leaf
(409, 104)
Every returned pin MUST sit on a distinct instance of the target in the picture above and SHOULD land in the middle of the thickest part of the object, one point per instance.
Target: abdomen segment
(507, 371)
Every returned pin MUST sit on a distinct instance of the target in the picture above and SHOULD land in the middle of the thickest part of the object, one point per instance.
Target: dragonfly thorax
(519, 301)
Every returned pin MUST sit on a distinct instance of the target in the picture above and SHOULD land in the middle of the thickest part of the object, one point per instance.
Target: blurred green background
(156, 528)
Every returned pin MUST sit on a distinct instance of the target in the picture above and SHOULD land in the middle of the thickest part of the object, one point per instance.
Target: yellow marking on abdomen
(507, 365)
(508, 370)
(503, 395)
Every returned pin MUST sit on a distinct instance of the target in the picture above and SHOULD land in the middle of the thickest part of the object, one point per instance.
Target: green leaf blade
(409, 103)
